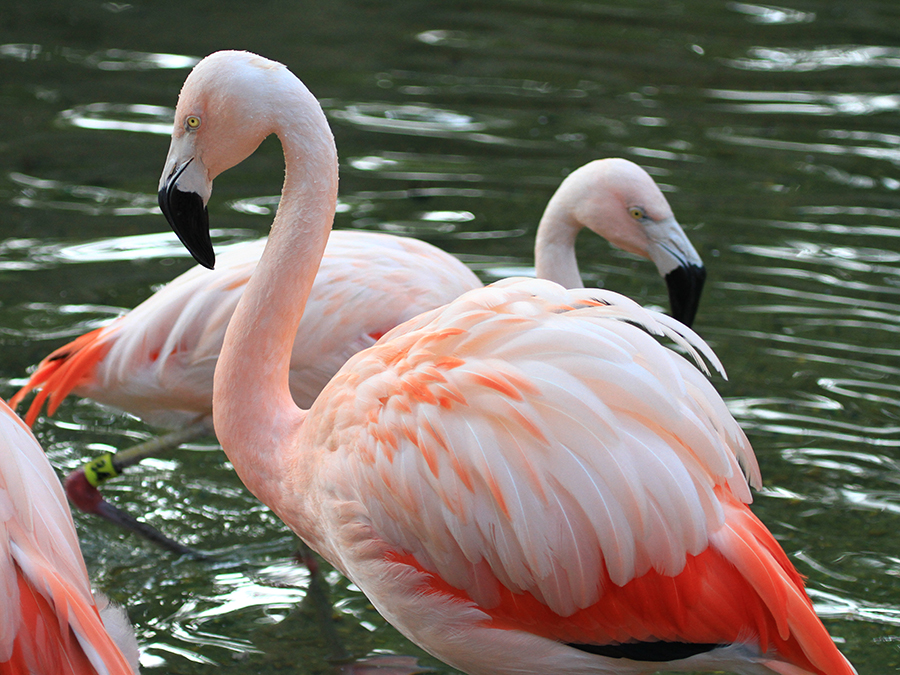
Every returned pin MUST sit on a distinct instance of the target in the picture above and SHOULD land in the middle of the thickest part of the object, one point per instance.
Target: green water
(773, 130)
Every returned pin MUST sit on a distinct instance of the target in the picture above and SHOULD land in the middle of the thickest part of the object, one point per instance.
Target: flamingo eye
(192, 123)
(636, 213)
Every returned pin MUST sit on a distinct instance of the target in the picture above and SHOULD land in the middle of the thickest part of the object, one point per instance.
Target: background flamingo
(157, 361)
(49, 620)
(522, 481)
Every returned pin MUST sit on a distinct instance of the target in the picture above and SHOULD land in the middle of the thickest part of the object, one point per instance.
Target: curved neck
(554, 246)
(255, 418)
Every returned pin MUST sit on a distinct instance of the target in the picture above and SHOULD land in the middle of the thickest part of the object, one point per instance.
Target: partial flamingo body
(522, 481)
(157, 361)
(49, 619)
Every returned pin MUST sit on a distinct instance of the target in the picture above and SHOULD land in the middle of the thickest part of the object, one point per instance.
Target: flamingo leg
(83, 483)
(318, 595)
(110, 465)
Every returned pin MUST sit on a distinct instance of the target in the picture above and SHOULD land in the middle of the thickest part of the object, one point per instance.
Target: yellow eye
(192, 122)
(636, 213)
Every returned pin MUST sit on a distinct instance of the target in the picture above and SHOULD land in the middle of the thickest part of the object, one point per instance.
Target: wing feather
(157, 361)
(544, 435)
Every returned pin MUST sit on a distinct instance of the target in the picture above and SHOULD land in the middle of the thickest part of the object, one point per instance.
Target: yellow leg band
(100, 469)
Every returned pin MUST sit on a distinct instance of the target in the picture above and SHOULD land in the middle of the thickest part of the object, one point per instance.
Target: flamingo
(49, 619)
(157, 361)
(524, 480)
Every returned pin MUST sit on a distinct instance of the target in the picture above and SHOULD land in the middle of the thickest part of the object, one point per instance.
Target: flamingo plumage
(49, 619)
(157, 361)
(522, 481)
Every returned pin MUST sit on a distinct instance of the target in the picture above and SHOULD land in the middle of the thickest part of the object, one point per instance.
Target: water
(772, 129)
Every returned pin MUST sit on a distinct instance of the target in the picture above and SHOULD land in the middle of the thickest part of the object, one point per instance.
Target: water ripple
(147, 119)
(804, 102)
(105, 59)
(40, 193)
(847, 258)
(838, 228)
(821, 58)
(450, 38)
(882, 311)
(814, 344)
(445, 84)
(267, 205)
(729, 135)
(124, 59)
(47, 321)
(771, 412)
(237, 593)
(132, 247)
(893, 214)
(855, 463)
(423, 120)
(268, 594)
(770, 14)
(881, 393)
(833, 606)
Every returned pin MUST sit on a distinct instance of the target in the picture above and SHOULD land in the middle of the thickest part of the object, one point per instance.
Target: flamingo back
(537, 452)
(157, 361)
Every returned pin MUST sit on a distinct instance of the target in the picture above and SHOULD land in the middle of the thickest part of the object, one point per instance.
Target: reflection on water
(38, 193)
(107, 59)
(823, 58)
(770, 128)
(768, 14)
(148, 119)
(421, 120)
(806, 102)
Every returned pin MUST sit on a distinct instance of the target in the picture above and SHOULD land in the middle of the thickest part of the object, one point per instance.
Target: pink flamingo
(521, 481)
(157, 361)
(49, 619)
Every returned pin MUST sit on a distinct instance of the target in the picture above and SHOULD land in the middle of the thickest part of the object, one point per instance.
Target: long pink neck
(554, 244)
(256, 420)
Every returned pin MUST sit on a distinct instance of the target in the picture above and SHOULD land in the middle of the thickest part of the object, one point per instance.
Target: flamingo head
(619, 201)
(224, 112)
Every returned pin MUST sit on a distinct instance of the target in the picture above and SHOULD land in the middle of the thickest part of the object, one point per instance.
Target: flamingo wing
(538, 453)
(157, 361)
(49, 621)
(367, 284)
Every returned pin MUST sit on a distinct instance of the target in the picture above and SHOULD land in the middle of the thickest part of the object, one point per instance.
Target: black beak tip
(685, 287)
(188, 217)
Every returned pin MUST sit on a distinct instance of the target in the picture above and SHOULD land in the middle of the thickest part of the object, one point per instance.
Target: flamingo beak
(186, 212)
(679, 264)
(685, 284)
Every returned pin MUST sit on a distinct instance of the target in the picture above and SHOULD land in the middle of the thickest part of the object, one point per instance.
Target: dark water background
(773, 130)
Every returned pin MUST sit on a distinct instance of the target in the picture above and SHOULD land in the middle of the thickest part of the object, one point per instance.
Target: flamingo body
(49, 619)
(533, 472)
(524, 480)
(157, 361)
